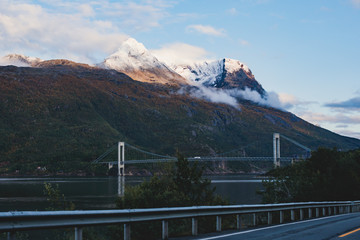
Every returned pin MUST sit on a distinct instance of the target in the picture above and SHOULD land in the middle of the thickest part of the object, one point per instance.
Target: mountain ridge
(133, 59)
(63, 117)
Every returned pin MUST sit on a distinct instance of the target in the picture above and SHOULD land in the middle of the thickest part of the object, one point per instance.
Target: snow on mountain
(135, 60)
(132, 55)
(232, 65)
(206, 73)
(224, 73)
(19, 60)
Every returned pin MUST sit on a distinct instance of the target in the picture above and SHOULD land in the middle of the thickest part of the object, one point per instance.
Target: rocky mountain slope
(61, 115)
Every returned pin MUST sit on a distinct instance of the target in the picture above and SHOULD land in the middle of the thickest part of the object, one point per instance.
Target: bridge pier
(276, 146)
(121, 159)
(110, 165)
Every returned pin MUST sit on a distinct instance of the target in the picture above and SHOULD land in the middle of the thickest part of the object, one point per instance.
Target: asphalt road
(331, 228)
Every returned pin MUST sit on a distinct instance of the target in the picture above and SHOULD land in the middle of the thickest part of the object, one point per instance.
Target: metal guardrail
(12, 222)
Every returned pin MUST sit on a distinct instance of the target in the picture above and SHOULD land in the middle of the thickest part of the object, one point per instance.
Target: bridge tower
(121, 159)
(276, 145)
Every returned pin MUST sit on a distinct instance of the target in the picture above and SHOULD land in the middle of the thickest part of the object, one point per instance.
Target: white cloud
(214, 95)
(325, 118)
(349, 133)
(206, 29)
(347, 125)
(355, 3)
(180, 53)
(140, 17)
(243, 42)
(232, 11)
(230, 96)
(78, 30)
(31, 29)
(86, 10)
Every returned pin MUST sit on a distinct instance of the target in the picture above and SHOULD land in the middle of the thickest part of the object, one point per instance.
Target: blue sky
(307, 52)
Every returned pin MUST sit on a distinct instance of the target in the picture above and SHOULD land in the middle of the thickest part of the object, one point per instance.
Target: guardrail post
(11, 236)
(329, 211)
(238, 221)
(310, 213)
(165, 229)
(78, 233)
(335, 210)
(194, 226)
(269, 218)
(254, 219)
(317, 212)
(127, 231)
(323, 212)
(301, 214)
(218, 223)
(281, 216)
(292, 215)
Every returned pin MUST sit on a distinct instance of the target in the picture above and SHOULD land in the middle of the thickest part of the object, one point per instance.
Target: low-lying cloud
(231, 96)
(213, 95)
(352, 104)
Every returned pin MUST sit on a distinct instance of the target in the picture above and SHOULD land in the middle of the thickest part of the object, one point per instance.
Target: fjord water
(25, 194)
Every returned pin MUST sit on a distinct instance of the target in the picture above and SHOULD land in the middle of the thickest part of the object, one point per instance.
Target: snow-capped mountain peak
(232, 65)
(133, 47)
(133, 56)
(19, 60)
(205, 73)
(224, 73)
(133, 59)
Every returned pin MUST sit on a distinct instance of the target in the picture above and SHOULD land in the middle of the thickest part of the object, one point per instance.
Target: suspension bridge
(134, 155)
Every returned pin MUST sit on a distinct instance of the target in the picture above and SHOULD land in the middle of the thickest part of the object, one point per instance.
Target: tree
(328, 175)
(56, 199)
(183, 185)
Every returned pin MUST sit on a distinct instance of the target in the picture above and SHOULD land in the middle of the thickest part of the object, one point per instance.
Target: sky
(306, 52)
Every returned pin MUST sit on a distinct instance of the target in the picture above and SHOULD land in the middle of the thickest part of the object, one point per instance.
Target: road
(327, 228)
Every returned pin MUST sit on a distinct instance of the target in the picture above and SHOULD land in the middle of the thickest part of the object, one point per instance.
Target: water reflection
(101, 192)
(121, 186)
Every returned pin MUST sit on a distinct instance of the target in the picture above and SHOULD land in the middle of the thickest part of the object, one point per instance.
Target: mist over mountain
(221, 81)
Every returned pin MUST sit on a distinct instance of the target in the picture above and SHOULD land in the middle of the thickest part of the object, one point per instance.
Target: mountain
(133, 59)
(61, 115)
(224, 73)
(19, 60)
